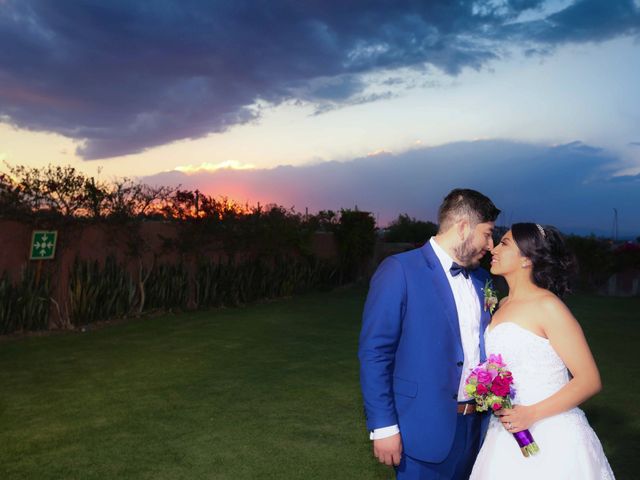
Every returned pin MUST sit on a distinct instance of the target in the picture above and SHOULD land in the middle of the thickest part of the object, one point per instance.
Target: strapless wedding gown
(569, 448)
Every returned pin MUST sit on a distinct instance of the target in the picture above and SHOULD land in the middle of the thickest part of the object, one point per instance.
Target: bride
(553, 369)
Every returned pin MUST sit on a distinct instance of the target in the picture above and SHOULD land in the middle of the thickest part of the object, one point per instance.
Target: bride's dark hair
(552, 264)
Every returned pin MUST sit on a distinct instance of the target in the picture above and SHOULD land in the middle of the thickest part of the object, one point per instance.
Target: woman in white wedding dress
(553, 369)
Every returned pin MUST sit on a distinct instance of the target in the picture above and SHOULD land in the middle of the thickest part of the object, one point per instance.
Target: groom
(422, 331)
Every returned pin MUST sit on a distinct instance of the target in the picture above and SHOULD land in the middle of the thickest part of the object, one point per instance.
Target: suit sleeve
(381, 329)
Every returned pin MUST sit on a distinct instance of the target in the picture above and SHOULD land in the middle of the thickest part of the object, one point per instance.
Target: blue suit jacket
(411, 352)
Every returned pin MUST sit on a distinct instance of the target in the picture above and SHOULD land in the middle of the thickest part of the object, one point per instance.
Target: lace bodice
(538, 371)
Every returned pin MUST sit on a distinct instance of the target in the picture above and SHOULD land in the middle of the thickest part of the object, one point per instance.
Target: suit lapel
(443, 289)
(485, 315)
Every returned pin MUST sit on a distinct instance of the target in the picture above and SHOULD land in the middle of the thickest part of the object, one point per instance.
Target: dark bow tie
(456, 269)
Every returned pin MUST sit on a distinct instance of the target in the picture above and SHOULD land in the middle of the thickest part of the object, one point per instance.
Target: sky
(322, 104)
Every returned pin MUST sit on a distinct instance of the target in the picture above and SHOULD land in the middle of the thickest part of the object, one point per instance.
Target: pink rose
(484, 376)
(481, 389)
(496, 406)
(496, 359)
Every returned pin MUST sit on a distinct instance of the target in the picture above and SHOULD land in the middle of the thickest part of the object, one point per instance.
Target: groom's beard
(468, 255)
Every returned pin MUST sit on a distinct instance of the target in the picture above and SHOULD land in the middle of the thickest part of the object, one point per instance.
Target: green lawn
(269, 391)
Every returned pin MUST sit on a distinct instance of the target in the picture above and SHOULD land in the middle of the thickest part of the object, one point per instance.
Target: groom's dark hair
(464, 202)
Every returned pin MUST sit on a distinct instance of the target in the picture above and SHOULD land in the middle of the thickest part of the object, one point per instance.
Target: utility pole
(614, 233)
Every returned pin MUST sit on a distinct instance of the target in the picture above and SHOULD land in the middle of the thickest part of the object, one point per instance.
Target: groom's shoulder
(409, 258)
(408, 255)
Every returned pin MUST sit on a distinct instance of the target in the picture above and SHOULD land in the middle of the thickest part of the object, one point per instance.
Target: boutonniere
(490, 296)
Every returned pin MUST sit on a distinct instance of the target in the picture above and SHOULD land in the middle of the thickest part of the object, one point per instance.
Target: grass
(268, 391)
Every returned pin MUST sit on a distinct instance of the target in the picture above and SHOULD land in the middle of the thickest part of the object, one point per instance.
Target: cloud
(121, 76)
(567, 185)
(211, 167)
(582, 21)
(626, 179)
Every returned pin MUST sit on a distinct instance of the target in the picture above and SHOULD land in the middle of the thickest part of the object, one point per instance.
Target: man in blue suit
(422, 331)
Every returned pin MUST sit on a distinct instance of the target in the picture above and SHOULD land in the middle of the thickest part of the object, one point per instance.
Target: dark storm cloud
(123, 75)
(566, 185)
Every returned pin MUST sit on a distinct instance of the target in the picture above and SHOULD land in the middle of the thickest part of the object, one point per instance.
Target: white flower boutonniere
(490, 296)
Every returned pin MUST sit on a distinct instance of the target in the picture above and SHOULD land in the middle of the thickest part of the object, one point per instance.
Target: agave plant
(206, 284)
(24, 305)
(99, 292)
(168, 287)
(32, 303)
(104, 291)
(8, 318)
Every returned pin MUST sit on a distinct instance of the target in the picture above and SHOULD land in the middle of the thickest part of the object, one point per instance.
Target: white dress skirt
(569, 448)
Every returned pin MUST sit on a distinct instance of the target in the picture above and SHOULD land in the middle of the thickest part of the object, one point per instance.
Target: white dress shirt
(468, 308)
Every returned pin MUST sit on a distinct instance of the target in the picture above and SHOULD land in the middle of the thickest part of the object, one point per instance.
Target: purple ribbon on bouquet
(526, 443)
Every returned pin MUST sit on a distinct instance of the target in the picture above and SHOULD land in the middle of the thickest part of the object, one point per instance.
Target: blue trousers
(459, 462)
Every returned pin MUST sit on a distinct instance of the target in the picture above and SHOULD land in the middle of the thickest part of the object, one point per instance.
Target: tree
(324, 221)
(58, 189)
(355, 235)
(127, 198)
(595, 260)
(95, 197)
(407, 229)
(11, 197)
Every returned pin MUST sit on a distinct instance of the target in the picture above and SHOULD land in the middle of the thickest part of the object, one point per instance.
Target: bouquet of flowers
(490, 384)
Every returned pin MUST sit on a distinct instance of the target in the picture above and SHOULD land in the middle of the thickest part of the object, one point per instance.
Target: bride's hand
(518, 418)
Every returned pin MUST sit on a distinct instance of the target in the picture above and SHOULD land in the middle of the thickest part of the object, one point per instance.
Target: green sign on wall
(43, 244)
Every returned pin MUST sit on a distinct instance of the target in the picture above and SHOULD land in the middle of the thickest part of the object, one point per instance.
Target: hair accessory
(541, 230)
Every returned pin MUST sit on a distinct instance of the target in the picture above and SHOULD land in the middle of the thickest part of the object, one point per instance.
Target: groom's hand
(388, 450)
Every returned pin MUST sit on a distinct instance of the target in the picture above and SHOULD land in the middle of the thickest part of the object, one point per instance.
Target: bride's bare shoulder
(503, 301)
(554, 310)
(550, 302)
